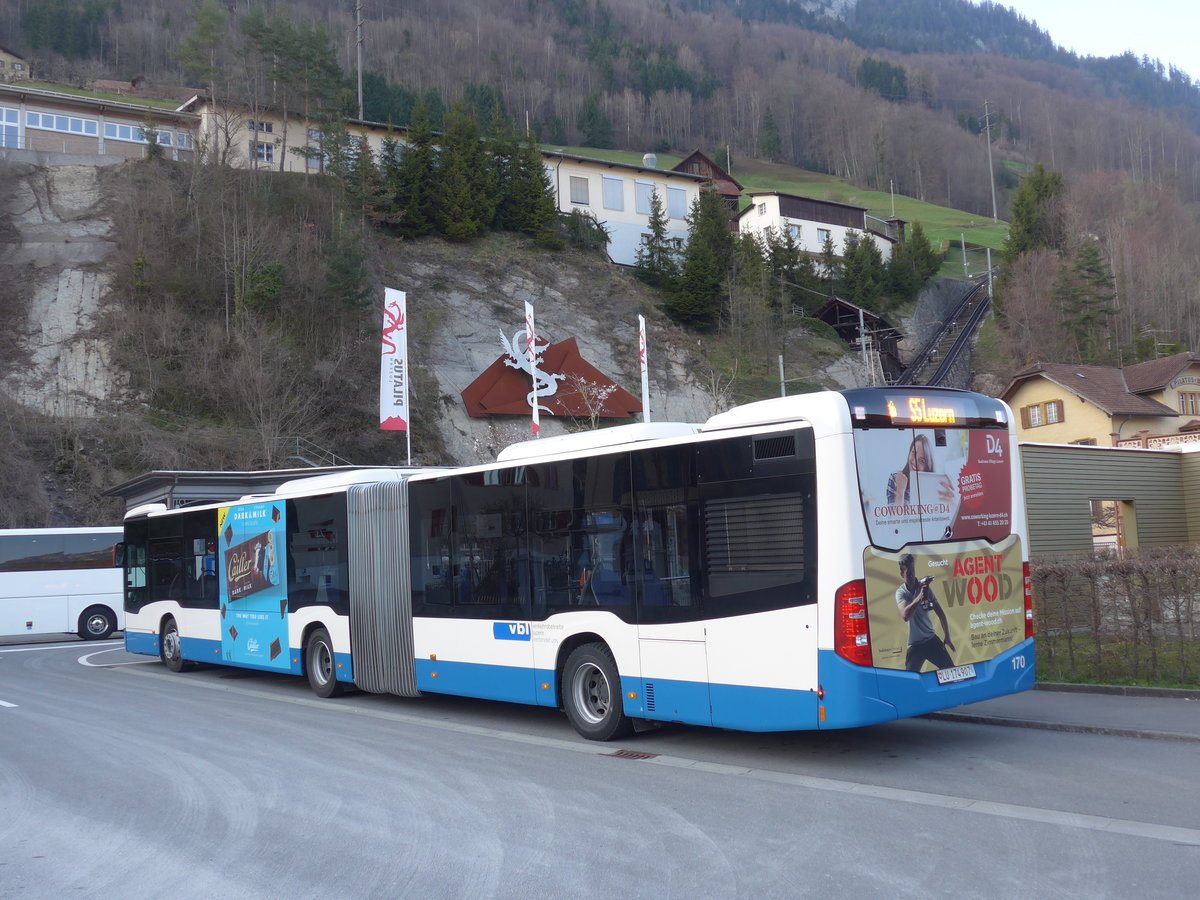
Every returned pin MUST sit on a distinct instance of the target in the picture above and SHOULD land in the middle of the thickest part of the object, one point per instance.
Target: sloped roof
(1103, 386)
(1156, 374)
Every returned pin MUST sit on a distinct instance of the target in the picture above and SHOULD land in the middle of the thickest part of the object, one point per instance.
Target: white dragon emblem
(544, 384)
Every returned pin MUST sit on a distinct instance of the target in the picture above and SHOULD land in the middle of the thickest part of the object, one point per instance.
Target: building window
(132, 133)
(614, 192)
(183, 141)
(268, 127)
(642, 192)
(676, 203)
(1038, 414)
(579, 190)
(67, 124)
(823, 234)
(794, 229)
(9, 127)
(1085, 442)
(260, 151)
(762, 209)
(1189, 403)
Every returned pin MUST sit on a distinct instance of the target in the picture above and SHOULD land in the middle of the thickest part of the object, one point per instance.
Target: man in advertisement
(915, 600)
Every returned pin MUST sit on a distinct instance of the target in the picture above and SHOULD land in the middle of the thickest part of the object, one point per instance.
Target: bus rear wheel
(319, 664)
(592, 694)
(96, 623)
(169, 650)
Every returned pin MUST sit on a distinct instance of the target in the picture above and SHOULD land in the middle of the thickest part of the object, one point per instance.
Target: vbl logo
(511, 631)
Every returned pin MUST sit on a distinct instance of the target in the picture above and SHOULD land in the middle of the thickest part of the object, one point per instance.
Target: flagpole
(531, 359)
(644, 363)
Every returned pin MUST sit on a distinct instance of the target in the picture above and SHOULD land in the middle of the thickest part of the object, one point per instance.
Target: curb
(1118, 689)
(1064, 726)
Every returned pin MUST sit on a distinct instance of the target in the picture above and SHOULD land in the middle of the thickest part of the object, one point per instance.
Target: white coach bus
(60, 580)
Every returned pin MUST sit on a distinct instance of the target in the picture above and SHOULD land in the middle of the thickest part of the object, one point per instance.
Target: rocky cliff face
(59, 244)
(56, 241)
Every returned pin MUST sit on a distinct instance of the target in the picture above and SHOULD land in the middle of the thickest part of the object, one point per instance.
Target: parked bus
(820, 561)
(60, 580)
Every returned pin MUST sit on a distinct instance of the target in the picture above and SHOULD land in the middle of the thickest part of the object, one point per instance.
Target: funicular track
(940, 357)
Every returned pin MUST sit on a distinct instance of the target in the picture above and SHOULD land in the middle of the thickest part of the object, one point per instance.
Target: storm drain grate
(632, 754)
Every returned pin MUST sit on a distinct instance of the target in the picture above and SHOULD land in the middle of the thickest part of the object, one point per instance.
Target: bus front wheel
(169, 650)
(96, 623)
(318, 662)
(592, 694)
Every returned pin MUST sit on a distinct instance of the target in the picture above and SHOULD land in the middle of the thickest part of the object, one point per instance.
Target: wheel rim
(593, 696)
(171, 644)
(322, 662)
(97, 624)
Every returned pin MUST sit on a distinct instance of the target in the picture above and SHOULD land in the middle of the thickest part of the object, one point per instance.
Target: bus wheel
(169, 650)
(96, 623)
(318, 662)
(592, 694)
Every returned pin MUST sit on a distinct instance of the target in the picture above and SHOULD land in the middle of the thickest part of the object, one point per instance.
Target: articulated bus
(826, 560)
(60, 581)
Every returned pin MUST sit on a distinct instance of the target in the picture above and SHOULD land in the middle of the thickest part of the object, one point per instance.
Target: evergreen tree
(594, 123)
(770, 146)
(1084, 292)
(831, 268)
(464, 205)
(1037, 215)
(655, 263)
(696, 299)
(412, 178)
(863, 274)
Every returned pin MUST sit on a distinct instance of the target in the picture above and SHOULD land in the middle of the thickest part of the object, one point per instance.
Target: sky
(1164, 29)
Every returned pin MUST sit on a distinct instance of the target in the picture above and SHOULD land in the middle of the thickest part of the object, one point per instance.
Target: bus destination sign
(919, 411)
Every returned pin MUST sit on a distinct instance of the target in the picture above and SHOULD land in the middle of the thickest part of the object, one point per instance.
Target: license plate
(958, 673)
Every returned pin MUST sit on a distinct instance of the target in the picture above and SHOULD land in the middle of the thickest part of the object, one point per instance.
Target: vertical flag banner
(531, 359)
(393, 370)
(645, 368)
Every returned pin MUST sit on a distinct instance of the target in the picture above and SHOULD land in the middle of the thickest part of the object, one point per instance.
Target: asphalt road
(121, 780)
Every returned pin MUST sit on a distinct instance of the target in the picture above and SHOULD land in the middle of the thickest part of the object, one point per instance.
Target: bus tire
(592, 694)
(169, 649)
(319, 665)
(96, 623)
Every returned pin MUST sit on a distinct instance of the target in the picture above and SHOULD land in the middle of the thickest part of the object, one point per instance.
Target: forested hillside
(649, 75)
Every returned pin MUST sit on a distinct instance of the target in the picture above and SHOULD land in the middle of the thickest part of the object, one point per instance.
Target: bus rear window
(932, 484)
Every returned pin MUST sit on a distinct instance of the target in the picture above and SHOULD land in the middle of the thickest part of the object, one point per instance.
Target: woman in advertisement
(920, 459)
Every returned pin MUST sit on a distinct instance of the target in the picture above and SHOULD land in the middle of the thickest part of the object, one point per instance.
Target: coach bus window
(429, 546)
(489, 538)
(31, 553)
(135, 565)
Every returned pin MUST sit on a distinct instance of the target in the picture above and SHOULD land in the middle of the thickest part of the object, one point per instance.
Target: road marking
(7, 705)
(85, 660)
(1104, 824)
(72, 646)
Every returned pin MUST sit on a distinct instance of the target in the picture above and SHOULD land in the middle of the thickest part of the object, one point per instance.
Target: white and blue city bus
(827, 560)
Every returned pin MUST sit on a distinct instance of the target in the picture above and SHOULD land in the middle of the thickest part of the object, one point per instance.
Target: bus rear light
(1028, 602)
(851, 632)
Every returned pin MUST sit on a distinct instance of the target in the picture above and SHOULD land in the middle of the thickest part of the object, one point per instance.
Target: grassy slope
(942, 225)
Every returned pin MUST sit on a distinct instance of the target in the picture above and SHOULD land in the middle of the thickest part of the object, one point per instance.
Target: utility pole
(358, 32)
(987, 121)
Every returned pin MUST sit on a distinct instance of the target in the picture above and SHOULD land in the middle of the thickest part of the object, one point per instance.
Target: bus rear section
(940, 612)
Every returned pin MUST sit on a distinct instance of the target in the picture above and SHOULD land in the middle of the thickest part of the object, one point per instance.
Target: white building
(812, 221)
(618, 196)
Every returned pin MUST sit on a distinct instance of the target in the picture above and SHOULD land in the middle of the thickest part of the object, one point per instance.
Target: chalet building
(697, 163)
(1154, 404)
(13, 66)
(810, 222)
(50, 122)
